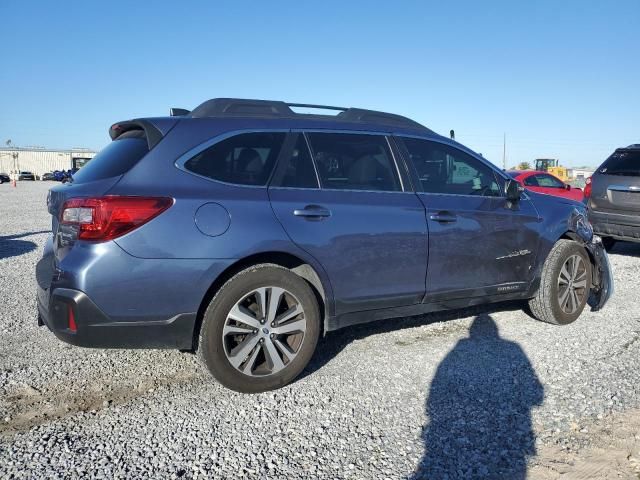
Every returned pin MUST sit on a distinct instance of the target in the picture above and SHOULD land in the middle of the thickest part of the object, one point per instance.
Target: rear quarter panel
(252, 226)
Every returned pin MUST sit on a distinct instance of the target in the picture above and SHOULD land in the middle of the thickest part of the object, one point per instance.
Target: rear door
(479, 243)
(345, 203)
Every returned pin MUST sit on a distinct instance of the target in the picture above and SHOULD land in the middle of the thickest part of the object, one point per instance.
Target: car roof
(279, 114)
(240, 107)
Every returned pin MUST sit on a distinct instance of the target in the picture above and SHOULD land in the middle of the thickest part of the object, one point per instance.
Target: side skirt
(355, 318)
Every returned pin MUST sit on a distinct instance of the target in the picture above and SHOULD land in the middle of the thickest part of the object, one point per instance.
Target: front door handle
(443, 217)
(312, 211)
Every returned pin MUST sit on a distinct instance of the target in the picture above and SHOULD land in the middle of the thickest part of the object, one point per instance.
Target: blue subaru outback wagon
(245, 230)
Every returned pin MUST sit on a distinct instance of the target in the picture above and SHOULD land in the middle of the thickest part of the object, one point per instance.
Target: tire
(546, 305)
(237, 348)
(608, 243)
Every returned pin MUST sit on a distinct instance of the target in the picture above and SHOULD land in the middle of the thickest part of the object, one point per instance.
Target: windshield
(622, 162)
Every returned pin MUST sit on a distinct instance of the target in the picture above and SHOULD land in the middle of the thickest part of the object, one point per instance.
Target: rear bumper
(120, 301)
(615, 225)
(95, 329)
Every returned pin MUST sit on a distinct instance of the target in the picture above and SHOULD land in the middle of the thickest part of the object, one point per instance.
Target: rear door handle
(312, 211)
(443, 217)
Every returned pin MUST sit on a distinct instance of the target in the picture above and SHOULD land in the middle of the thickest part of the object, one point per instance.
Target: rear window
(115, 159)
(244, 159)
(622, 162)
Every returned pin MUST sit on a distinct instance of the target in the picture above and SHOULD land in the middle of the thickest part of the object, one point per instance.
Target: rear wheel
(260, 330)
(564, 285)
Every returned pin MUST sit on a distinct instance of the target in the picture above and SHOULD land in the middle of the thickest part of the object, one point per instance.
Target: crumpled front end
(602, 280)
(603, 289)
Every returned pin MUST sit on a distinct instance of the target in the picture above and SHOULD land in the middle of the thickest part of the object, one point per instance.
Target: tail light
(105, 218)
(71, 319)
(587, 188)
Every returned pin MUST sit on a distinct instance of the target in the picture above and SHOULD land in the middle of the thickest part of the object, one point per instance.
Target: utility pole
(504, 151)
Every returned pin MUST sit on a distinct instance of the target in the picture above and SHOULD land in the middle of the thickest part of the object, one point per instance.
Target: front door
(479, 244)
(349, 209)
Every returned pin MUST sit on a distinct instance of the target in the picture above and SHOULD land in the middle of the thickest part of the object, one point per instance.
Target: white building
(38, 160)
(581, 173)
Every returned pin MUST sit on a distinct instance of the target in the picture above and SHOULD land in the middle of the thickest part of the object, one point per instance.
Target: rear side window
(115, 159)
(348, 161)
(445, 169)
(622, 162)
(244, 159)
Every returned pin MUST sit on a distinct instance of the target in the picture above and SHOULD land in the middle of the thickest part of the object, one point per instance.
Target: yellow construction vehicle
(552, 166)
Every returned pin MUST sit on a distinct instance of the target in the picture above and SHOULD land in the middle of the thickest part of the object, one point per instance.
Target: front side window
(445, 169)
(531, 181)
(548, 181)
(348, 161)
(244, 159)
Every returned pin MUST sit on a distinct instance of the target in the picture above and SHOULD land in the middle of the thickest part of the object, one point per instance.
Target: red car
(543, 182)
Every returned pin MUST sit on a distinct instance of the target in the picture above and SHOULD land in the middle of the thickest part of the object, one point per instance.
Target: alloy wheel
(572, 284)
(264, 331)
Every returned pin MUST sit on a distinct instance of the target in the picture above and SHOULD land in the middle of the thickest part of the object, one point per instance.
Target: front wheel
(260, 330)
(564, 285)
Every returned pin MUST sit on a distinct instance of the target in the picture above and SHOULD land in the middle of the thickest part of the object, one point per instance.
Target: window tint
(548, 181)
(622, 162)
(444, 169)
(115, 159)
(245, 159)
(299, 171)
(531, 181)
(354, 162)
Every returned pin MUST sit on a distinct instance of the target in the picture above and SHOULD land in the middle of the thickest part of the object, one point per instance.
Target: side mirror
(567, 186)
(513, 190)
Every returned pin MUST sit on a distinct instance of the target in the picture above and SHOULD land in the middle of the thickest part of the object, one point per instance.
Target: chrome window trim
(624, 188)
(179, 163)
(395, 192)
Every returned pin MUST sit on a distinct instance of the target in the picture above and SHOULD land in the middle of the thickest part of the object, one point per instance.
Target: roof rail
(238, 107)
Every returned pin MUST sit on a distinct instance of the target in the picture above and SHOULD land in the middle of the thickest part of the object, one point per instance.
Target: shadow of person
(479, 409)
(10, 247)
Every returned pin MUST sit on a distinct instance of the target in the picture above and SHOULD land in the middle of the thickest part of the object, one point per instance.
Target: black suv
(614, 197)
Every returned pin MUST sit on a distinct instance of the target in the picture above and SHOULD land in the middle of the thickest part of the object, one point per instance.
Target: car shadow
(479, 409)
(12, 246)
(629, 249)
(334, 342)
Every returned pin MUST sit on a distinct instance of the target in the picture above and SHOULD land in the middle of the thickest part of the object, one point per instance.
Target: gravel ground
(484, 393)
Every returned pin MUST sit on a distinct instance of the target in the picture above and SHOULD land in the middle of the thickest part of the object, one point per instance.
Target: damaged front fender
(602, 277)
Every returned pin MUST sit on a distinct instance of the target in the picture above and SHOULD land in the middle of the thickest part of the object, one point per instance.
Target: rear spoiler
(152, 133)
(178, 112)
